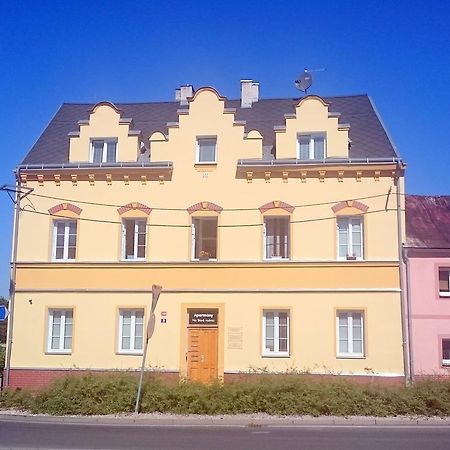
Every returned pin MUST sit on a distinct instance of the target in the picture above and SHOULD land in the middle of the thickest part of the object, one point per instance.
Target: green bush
(2, 357)
(276, 395)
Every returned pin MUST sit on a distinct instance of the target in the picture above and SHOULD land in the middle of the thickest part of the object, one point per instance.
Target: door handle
(203, 358)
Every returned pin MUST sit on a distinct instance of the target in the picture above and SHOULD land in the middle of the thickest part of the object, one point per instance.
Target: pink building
(427, 262)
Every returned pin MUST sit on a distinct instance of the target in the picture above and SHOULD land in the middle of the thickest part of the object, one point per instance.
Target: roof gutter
(328, 161)
(86, 165)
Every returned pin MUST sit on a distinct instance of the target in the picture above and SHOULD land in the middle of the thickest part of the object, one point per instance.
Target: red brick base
(360, 379)
(35, 379)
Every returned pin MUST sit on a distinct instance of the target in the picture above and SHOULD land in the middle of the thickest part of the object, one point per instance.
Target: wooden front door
(202, 354)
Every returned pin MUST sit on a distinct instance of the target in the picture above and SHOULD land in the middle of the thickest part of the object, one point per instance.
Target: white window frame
(62, 335)
(276, 352)
(136, 236)
(350, 353)
(444, 293)
(349, 256)
(312, 138)
(193, 239)
(197, 149)
(66, 223)
(132, 350)
(105, 149)
(280, 258)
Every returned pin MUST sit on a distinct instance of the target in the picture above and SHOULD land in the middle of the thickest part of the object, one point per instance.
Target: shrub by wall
(280, 395)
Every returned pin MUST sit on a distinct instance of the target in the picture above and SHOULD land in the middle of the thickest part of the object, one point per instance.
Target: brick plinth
(35, 379)
(360, 379)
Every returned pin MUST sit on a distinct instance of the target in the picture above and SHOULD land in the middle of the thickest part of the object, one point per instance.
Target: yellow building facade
(270, 224)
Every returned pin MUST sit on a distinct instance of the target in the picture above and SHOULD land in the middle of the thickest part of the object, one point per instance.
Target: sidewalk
(241, 420)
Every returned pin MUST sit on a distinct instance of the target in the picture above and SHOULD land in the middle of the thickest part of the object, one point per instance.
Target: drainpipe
(409, 315)
(401, 272)
(12, 285)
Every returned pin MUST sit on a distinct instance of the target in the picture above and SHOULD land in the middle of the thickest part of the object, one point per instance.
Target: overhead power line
(111, 205)
(241, 225)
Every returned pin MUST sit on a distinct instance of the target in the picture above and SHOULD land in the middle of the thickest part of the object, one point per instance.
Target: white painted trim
(131, 350)
(135, 240)
(62, 334)
(197, 150)
(350, 354)
(105, 149)
(350, 238)
(276, 337)
(66, 223)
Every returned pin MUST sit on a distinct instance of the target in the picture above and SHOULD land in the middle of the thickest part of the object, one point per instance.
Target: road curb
(252, 421)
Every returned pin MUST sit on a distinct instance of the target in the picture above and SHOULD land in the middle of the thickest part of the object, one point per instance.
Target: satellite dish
(304, 82)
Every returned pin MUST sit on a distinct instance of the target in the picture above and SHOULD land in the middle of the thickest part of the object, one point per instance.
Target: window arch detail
(204, 206)
(134, 206)
(275, 205)
(65, 207)
(350, 204)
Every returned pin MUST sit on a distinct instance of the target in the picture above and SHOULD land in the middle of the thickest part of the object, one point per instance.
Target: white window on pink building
(446, 352)
(444, 282)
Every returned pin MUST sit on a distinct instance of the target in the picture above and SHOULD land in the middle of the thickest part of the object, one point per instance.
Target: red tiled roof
(428, 221)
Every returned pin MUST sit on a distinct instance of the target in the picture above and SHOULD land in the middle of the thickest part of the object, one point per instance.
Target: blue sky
(59, 51)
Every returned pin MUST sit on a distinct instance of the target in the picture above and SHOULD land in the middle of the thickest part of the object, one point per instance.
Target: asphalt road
(16, 434)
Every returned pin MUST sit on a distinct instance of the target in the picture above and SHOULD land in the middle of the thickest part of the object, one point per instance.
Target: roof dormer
(312, 133)
(105, 137)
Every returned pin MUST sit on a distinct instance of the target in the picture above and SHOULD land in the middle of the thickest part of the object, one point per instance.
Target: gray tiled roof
(428, 221)
(368, 136)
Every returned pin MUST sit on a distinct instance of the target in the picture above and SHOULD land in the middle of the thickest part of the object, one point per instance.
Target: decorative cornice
(276, 204)
(204, 206)
(135, 206)
(206, 88)
(65, 207)
(105, 103)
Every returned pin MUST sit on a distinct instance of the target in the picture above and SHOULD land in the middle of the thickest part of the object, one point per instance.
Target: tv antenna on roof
(305, 80)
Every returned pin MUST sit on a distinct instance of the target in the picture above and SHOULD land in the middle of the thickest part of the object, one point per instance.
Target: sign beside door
(203, 316)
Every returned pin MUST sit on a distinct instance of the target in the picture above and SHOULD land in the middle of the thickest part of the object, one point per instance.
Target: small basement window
(446, 352)
(444, 282)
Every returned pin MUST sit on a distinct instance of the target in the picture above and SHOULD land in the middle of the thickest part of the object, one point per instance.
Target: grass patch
(275, 395)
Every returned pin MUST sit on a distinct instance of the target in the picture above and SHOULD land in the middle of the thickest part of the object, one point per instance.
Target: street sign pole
(156, 291)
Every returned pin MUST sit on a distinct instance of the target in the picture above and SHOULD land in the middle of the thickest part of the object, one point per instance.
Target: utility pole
(19, 195)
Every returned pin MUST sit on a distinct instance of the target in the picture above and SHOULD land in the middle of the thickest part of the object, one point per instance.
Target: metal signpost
(156, 291)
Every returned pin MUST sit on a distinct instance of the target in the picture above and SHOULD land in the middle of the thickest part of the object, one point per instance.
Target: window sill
(350, 259)
(133, 260)
(350, 357)
(444, 294)
(58, 352)
(275, 355)
(63, 260)
(276, 259)
(204, 260)
(130, 353)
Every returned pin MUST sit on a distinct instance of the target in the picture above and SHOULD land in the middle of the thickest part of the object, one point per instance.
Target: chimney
(183, 93)
(249, 93)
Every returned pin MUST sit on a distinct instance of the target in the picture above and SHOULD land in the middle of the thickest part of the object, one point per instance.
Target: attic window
(311, 146)
(206, 150)
(103, 151)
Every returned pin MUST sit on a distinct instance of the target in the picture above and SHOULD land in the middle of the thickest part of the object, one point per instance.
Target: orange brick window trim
(133, 207)
(350, 204)
(65, 207)
(276, 204)
(204, 206)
